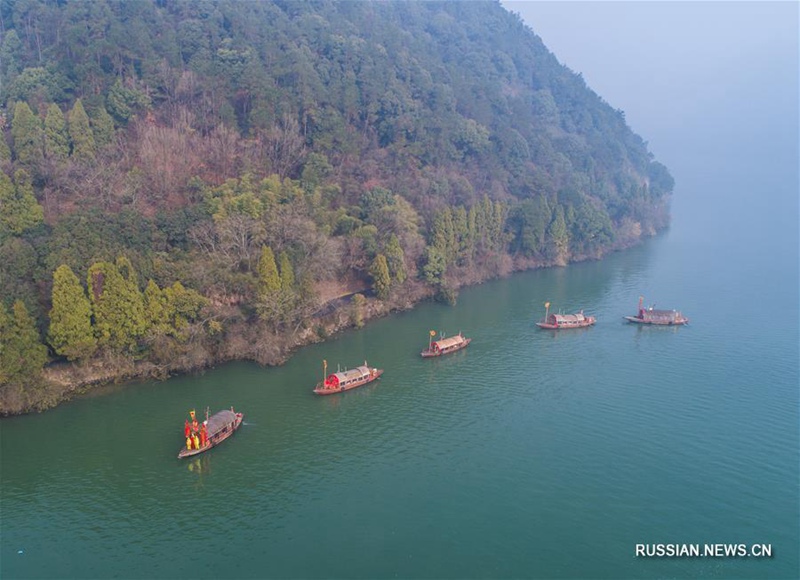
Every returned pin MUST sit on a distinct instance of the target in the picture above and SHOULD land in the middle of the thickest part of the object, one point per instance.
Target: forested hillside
(185, 182)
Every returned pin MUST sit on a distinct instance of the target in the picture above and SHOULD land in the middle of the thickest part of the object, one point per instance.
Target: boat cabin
(660, 316)
(447, 344)
(346, 378)
(567, 319)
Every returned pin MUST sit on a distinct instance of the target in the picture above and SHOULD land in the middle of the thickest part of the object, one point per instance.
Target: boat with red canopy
(559, 321)
(213, 431)
(341, 381)
(444, 345)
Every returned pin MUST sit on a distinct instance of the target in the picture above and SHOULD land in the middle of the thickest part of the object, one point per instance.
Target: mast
(431, 334)
(324, 370)
(546, 310)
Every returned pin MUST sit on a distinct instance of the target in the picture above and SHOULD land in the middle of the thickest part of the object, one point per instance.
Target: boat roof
(451, 341)
(352, 373)
(662, 313)
(569, 317)
(219, 420)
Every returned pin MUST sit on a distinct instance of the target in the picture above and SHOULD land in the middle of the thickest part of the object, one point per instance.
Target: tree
(435, 266)
(56, 137)
(287, 273)
(70, 332)
(19, 210)
(117, 304)
(381, 281)
(102, 127)
(26, 131)
(155, 309)
(558, 237)
(395, 258)
(269, 281)
(80, 132)
(268, 286)
(22, 355)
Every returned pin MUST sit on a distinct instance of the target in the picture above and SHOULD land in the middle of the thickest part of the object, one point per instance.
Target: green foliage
(558, 245)
(19, 210)
(269, 281)
(117, 305)
(381, 280)
(19, 270)
(123, 102)
(435, 266)
(27, 133)
(102, 127)
(395, 258)
(70, 332)
(80, 133)
(56, 137)
(286, 273)
(22, 355)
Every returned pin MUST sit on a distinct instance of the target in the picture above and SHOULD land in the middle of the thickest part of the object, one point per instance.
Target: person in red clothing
(186, 429)
(203, 435)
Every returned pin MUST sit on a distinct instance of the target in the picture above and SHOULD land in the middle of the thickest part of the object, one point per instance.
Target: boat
(341, 381)
(559, 321)
(659, 317)
(213, 431)
(444, 345)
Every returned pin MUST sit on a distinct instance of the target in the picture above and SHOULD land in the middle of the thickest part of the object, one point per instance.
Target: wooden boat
(444, 345)
(341, 381)
(659, 317)
(218, 427)
(559, 321)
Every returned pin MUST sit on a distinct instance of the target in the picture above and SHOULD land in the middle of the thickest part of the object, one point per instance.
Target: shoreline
(248, 342)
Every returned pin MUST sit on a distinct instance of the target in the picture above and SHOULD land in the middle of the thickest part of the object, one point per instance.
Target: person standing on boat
(186, 428)
(203, 435)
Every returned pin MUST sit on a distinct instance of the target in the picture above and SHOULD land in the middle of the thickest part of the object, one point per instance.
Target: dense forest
(190, 181)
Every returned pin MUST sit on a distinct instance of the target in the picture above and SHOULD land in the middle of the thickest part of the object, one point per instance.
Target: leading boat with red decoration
(341, 381)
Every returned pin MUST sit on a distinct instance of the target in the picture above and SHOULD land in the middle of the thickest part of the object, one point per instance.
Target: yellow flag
(433, 333)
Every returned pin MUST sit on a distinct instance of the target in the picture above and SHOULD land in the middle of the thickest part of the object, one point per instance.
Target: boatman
(203, 435)
(186, 429)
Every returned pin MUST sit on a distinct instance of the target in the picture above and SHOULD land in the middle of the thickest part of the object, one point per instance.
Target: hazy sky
(715, 70)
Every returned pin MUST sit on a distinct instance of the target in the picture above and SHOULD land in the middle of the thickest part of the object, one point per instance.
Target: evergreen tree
(22, 355)
(435, 266)
(183, 305)
(155, 308)
(287, 273)
(56, 137)
(19, 210)
(269, 282)
(83, 145)
(26, 131)
(117, 305)
(8, 361)
(268, 286)
(381, 281)
(5, 151)
(71, 332)
(395, 258)
(558, 237)
(102, 127)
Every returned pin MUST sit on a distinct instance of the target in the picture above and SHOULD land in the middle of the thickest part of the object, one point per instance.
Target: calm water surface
(529, 454)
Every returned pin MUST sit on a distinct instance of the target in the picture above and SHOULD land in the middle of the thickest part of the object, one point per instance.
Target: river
(531, 453)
